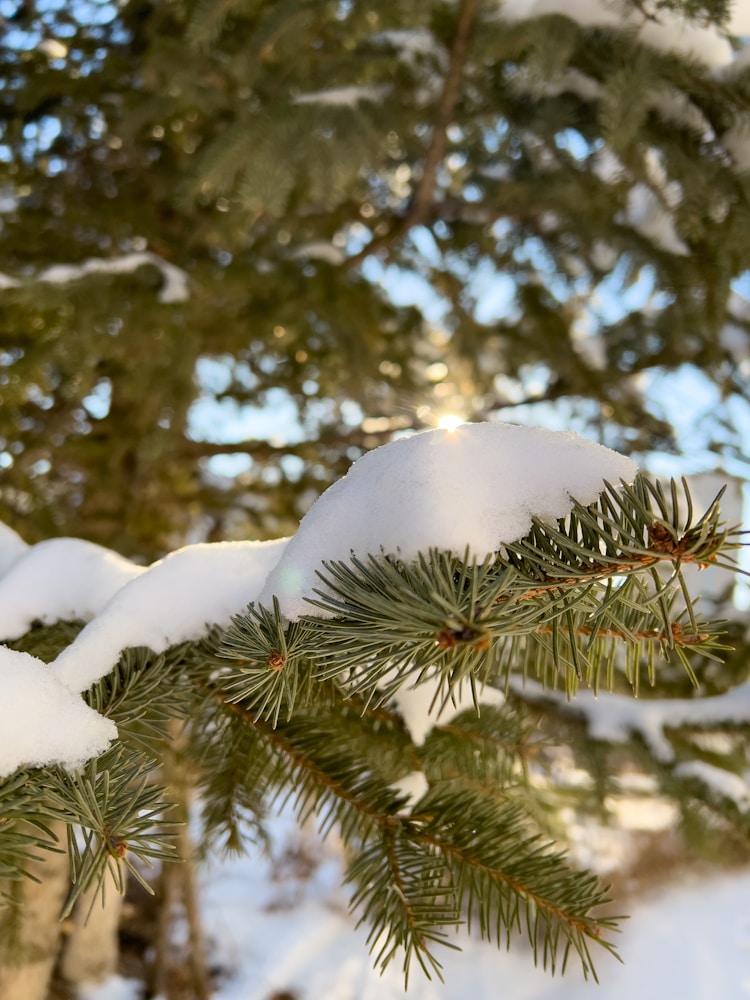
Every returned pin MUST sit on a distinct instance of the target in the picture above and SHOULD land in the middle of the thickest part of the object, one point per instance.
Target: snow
(174, 288)
(608, 167)
(667, 31)
(414, 44)
(477, 486)
(616, 718)
(736, 141)
(646, 207)
(739, 18)
(343, 97)
(672, 33)
(173, 601)
(319, 250)
(115, 988)
(724, 783)
(41, 721)
(646, 214)
(589, 12)
(275, 933)
(62, 579)
(422, 707)
(12, 547)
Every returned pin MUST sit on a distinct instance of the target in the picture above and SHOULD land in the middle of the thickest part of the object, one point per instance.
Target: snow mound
(62, 579)
(173, 601)
(12, 547)
(43, 722)
(669, 31)
(477, 487)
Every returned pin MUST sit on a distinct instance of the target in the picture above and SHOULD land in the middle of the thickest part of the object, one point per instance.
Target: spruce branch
(142, 693)
(509, 880)
(402, 862)
(270, 660)
(117, 812)
(25, 830)
(328, 776)
(404, 894)
(490, 750)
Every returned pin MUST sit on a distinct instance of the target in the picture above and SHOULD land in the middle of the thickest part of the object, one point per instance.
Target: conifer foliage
(361, 218)
(441, 807)
(568, 180)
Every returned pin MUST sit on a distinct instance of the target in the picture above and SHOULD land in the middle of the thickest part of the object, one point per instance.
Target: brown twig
(421, 206)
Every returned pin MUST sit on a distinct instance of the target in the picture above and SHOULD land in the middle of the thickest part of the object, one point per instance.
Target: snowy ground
(281, 930)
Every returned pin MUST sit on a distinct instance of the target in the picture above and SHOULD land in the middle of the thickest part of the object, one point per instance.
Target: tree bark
(30, 928)
(93, 947)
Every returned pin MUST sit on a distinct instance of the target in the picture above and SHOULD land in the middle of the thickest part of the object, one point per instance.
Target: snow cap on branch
(62, 579)
(43, 722)
(477, 487)
(173, 601)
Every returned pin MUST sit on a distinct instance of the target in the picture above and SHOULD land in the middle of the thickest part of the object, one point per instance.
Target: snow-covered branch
(173, 289)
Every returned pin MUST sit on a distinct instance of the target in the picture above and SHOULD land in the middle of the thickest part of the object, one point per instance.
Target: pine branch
(119, 814)
(25, 829)
(490, 750)
(510, 880)
(399, 864)
(404, 895)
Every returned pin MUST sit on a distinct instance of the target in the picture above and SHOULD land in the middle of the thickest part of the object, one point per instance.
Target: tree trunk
(30, 927)
(93, 947)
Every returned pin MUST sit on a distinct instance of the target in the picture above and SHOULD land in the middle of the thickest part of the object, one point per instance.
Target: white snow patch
(608, 166)
(413, 44)
(422, 706)
(173, 601)
(646, 214)
(640, 812)
(591, 13)
(675, 106)
(42, 721)
(668, 31)
(270, 936)
(12, 547)
(476, 487)
(174, 288)
(736, 141)
(615, 718)
(414, 785)
(114, 988)
(739, 18)
(724, 783)
(671, 33)
(343, 97)
(319, 250)
(603, 256)
(61, 579)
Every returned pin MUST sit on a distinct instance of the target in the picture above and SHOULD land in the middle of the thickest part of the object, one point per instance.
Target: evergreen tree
(363, 219)
(560, 198)
(380, 709)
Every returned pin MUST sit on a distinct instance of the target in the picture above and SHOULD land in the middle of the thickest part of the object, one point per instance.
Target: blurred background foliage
(244, 242)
